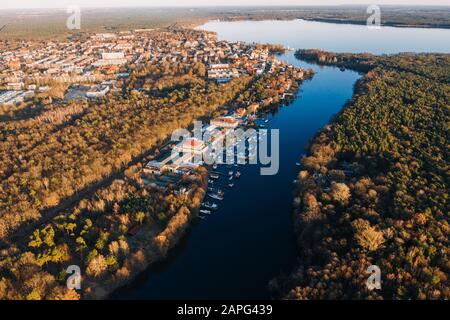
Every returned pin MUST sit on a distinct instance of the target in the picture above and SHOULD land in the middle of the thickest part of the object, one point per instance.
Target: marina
(251, 237)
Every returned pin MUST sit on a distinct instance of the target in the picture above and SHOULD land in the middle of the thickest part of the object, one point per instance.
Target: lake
(234, 253)
(334, 37)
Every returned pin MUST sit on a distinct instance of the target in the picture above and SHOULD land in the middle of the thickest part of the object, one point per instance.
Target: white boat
(215, 196)
(207, 212)
(230, 173)
(214, 176)
(230, 185)
(237, 175)
(210, 205)
(216, 190)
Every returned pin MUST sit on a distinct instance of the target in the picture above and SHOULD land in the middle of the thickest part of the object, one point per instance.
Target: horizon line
(228, 6)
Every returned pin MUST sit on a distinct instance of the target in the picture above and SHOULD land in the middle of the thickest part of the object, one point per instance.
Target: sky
(22, 4)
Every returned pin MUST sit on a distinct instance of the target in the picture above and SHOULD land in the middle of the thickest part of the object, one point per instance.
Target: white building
(112, 55)
(12, 97)
(111, 59)
(97, 91)
(225, 122)
(222, 71)
(191, 146)
(15, 86)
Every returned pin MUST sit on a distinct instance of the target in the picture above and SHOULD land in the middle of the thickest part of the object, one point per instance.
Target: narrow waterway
(234, 253)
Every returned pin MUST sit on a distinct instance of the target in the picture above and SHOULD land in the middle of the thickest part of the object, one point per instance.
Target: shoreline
(154, 253)
(196, 24)
(331, 165)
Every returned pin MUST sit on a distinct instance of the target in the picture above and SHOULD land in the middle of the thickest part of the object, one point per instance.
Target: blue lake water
(334, 37)
(234, 253)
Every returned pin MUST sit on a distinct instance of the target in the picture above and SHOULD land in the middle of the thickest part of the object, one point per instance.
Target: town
(88, 67)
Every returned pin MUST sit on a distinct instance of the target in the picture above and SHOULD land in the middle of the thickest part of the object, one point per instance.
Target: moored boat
(210, 205)
(215, 196)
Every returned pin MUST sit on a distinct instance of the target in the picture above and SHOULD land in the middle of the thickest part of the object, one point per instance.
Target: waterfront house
(191, 146)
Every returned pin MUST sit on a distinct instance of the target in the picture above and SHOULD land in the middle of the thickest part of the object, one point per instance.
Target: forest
(373, 189)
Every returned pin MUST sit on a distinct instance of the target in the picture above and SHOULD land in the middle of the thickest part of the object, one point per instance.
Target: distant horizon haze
(51, 4)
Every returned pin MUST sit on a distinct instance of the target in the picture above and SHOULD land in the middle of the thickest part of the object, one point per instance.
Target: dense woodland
(94, 235)
(374, 188)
